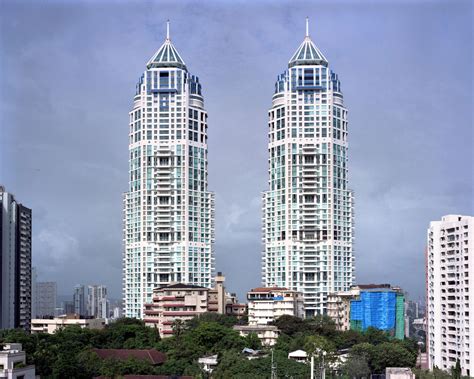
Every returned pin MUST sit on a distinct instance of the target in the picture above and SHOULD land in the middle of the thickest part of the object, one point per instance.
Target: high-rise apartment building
(450, 309)
(15, 263)
(308, 209)
(168, 210)
(97, 303)
(45, 298)
(79, 300)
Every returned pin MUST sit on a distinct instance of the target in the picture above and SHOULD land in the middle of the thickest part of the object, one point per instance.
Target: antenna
(307, 27)
(168, 29)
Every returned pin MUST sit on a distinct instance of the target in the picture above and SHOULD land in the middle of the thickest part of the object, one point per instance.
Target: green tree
(356, 366)
(391, 355)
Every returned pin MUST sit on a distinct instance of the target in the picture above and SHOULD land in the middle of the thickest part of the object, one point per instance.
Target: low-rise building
(399, 373)
(13, 363)
(266, 304)
(268, 334)
(298, 355)
(51, 325)
(184, 301)
(372, 305)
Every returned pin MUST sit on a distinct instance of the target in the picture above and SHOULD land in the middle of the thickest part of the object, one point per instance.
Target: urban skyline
(402, 195)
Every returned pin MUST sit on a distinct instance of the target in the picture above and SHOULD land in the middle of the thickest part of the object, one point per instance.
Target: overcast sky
(67, 78)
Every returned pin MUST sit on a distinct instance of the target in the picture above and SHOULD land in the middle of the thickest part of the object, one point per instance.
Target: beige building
(50, 326)
(339, 307)
(183, 302)
(266, 304)
(268, 334)
(13, 363)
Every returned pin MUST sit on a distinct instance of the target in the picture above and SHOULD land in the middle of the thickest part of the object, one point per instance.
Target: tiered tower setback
(168, 210)
(308, 209)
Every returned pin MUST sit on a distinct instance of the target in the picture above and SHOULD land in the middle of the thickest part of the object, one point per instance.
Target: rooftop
(307, 53)
(152, 356)
(167, 55)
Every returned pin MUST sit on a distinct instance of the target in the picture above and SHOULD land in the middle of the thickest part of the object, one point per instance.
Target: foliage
(68, 353)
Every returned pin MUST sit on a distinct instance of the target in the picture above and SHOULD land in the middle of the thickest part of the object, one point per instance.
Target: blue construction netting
(376, 309)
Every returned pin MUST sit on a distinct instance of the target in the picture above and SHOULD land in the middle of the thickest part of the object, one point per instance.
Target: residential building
(176, 302)
(450, 311)
(34, 300)
(184, 301)
(46, 297)
(266, 304)
(339, 307)
(15, 263)
(369, 305)
(51, 325)
(308, 208)
(268, 334)
(168, 210)
(79, 300)
(13, 363)
(97, 302)
(68, 307)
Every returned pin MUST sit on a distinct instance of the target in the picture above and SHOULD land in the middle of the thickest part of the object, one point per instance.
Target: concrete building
(15, 263)
(339, 307)
(13, 363)
(168, 210)
(308, 209)
(185, 301)
(268, 334)
(45, 298)
(177, 302)
(267, 304)
(97, 302)
(79, 300)
(369, 305)
(50, 326)
(450, 311)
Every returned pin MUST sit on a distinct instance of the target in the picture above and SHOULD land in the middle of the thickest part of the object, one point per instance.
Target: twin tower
(307, 209)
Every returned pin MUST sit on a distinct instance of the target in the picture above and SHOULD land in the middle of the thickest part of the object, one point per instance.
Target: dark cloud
(68, 74)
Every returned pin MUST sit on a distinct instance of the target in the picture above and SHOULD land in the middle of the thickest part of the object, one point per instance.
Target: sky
(67, 78)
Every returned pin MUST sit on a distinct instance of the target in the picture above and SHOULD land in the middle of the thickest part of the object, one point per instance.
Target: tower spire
(167, 30)
(307, 27)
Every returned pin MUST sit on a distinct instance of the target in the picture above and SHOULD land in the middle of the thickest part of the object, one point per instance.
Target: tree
(356, 366)
(456, 370)
(290, 325)
(253, 342)
(391, 355)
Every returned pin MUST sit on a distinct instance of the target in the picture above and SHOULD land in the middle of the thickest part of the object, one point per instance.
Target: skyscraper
(168, 210)
(307, 211)
(46, 297)
(450, 311)
(15, 263)
(79, 300)
(97, 302)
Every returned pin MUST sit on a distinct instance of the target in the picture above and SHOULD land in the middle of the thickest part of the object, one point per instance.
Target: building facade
(265, 305)
(13, 363)
(308, 209)
(449, 312)
(380, 306)
(45, 299)
(181, 301)
(168, 210)
(50, 326)
(97, 303)
(15, 263)
(80, 300)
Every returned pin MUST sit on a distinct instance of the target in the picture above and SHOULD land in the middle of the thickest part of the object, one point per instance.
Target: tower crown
(307, 53)
(167, 55)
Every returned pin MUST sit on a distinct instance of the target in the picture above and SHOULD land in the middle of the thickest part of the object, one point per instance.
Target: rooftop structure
(13, 363)
(50, 326)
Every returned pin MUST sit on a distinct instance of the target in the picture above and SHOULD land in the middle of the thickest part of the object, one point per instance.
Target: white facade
(265, 305)
(168, 210)
(50, 326)
(268, 334)
(13, 363)
(97, 302)
(307, 212)
(450, 275)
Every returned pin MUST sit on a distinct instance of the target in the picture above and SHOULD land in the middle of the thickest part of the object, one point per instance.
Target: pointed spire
(167, 55)
(307, 53)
